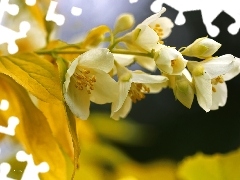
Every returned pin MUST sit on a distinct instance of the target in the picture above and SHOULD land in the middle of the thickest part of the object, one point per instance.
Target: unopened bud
(201, 48)
(124, 22)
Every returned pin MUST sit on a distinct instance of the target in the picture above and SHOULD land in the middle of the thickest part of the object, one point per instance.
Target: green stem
(81, 51)
(132, 53)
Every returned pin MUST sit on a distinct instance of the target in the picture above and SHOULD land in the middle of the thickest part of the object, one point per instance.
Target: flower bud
(183, 91)
(124, 22)
(201, 48)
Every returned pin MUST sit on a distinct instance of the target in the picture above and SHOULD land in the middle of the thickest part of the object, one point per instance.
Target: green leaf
(36, 75)
(33, 131)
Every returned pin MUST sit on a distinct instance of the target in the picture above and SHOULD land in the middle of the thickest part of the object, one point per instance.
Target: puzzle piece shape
(9, 36)
(133, 1)
(209, 9)
(31, 171)
(59, 19)
(4, 170)
(30, 2)
(12, 124)
(76, 11)
(12, 9)
(4, 105)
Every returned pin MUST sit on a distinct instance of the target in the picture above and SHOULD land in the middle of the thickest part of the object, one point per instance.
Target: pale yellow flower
(161, 25)
(87, 79)
(149, 33)
(220, 91)
(133, 85)
(208, 80)
(169, 60)
(201, 48)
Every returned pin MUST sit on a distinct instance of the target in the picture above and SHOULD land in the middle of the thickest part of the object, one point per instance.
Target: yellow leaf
(58, 122)
(162, 170)
(207, 167)
(62, 69)
(35, 74)
(95, 36)
(33, 130)
(73, 130)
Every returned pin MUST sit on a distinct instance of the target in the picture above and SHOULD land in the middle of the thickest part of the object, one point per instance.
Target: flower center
(83, 80)
(157, 28)
(137, 91)
(215, 81)
(173, 62)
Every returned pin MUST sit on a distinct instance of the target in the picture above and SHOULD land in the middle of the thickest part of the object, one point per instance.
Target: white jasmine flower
(169, 60)
(220, 91)
(150, 32)
(133, 85)
(161, 25)
(87, 79)
(234, 71)
(202, 48)
(142, 38)
(208, 79)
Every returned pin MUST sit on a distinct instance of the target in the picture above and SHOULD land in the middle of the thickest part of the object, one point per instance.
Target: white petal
(187, 74)
(219, 98)
(146, 62)
(105, 88)
(153, 17)
(219, 66)
(99, 58)
(77, 100)
(147, 38)
(164, 58)
(141, 77)
(165, 24)
(124, 87)
(234, 71)
(156, 87)
(183, 91)
(204, 91)
(70, 72)
(124, 110)
(124, 60)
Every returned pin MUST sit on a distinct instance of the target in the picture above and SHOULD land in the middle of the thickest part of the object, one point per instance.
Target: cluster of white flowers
(90, 76)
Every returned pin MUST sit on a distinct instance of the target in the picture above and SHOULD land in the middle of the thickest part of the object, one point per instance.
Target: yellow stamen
(217, 80)
(157, 28)
(83, 79)
(137, 91)
(214, 89)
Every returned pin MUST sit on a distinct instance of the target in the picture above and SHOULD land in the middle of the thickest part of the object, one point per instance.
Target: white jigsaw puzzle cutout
(8, 35)
(4, 105)
(4, 170)
(59, 19)
(31, 171)
(210, 9)
(10, 129)
(30, 2)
